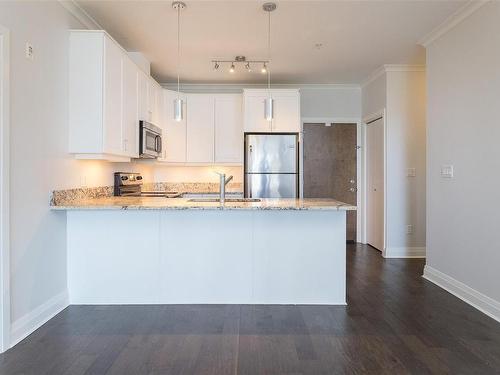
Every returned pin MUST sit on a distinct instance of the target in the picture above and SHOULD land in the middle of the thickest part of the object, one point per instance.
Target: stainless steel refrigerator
(271, 166)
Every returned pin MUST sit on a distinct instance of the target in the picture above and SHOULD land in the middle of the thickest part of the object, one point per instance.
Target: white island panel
(206, 256)
(113, 257)
(299, 257)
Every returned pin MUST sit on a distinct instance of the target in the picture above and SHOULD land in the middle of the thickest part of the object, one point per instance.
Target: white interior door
(375, 184)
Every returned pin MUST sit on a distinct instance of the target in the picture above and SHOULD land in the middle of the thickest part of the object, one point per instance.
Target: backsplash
(60, 197)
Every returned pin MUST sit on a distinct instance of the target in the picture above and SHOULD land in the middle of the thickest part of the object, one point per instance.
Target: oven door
(150, 141)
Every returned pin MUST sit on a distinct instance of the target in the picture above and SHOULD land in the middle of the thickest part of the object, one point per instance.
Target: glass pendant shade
(268, 108)
(178, 109)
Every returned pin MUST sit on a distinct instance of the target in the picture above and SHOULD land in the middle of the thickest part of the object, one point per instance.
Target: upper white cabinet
(228, 128)
(130, 119)
(108, 95)
(254, 113)
(174, 132)
(211, 131)
(200, 128)
(286, 114)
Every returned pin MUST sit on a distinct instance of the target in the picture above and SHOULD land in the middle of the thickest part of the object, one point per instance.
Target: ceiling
(356, 37)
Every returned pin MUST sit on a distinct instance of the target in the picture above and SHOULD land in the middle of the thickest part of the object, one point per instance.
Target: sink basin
(228, 200)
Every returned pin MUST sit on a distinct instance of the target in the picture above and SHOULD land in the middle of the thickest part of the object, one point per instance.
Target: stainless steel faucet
(222, 186)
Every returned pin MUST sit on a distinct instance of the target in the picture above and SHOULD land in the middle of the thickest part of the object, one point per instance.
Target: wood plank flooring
(396, 323)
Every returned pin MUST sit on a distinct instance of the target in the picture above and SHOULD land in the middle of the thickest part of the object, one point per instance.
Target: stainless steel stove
(129, 184)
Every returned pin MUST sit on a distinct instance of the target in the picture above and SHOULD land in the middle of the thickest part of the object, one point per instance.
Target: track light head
(232, 68)
(247, 67)
(216, 65)
(264, 69)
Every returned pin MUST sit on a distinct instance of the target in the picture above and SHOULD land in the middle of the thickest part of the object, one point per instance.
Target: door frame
(4, 190)
(372, 117)
(360, 165)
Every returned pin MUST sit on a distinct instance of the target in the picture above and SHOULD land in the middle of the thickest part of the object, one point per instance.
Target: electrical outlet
(411, 172)
(83, 181)
(30, 52)
(409, 229)
(447, 171)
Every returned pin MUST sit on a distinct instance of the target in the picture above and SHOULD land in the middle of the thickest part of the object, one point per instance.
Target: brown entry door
(330, 166)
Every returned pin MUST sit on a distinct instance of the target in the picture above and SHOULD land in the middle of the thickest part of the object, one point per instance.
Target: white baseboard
(483, 303)
(404, 252)
(27, 324)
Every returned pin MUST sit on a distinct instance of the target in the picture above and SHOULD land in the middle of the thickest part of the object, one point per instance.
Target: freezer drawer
(271, 153)
(270, 185)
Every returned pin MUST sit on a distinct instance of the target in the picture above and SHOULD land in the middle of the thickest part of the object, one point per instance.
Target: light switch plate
(447, 171)
(411, 172)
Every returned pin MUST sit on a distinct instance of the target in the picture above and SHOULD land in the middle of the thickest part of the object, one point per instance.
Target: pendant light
(178, 102)
(268, 102)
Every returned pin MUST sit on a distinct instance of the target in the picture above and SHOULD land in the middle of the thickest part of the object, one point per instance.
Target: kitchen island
(136, 250)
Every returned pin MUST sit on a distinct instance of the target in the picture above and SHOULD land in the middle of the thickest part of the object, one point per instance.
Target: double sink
(162, 194)
(229, 200)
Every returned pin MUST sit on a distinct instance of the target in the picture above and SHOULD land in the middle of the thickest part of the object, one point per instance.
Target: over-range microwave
(149, 140)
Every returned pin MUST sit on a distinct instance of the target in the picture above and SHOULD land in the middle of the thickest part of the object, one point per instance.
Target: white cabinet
(254, 113)
(211, 131)
(104, 89)
(286, 114)
(200, 128)
(144, 113)
(174, 132)
(112, 97)
(228, 129)
(130, 114)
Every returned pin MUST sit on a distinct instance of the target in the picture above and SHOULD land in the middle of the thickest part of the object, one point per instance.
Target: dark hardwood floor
(395, 323)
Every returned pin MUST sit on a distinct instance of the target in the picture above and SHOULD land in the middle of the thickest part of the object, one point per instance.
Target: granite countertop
(157, 203)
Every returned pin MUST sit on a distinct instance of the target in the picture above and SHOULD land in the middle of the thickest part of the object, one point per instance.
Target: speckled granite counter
(155, 203)
(68, 196)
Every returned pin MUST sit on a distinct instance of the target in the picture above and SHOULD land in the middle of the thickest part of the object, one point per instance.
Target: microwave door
(150, 142)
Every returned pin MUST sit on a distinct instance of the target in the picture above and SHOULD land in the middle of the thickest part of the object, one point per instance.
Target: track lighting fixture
(240, 60)
(264, 69)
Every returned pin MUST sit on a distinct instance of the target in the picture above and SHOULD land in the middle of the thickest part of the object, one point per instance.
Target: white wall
(374, 96)
(406, 143)
(330, 102)
(463, 213)
(196, 174)
(402, 95)
(39, 160)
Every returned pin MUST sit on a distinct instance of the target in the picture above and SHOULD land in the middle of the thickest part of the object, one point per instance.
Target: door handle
(353, 190)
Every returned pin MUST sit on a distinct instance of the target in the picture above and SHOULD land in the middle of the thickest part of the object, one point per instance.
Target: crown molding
(392, 68)
(453, 20)
(81, 15)
(373, 76)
